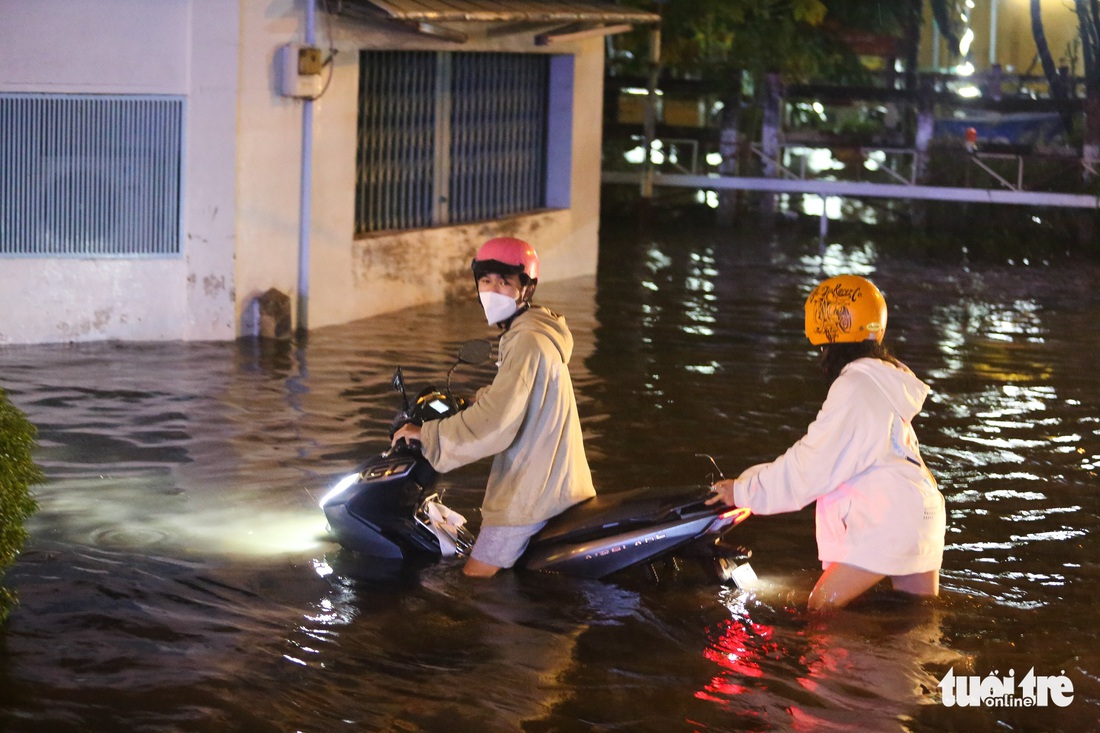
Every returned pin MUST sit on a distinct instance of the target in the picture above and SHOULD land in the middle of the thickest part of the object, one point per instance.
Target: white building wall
(242, 166)
(175, 47)
(349, 278)
(268, 158)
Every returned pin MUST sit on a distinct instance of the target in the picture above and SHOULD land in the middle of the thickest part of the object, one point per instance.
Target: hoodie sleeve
(488, 426)
(837, 445)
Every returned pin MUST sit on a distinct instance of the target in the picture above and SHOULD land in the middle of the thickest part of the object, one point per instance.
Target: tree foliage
(802, 40)
(711, 38)
(793, 37)
(18, 472)
(756, 36)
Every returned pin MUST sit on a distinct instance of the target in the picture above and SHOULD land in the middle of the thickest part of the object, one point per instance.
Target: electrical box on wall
(298, 70)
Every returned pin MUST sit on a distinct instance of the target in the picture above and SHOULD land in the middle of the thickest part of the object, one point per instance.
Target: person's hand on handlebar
(410, 432)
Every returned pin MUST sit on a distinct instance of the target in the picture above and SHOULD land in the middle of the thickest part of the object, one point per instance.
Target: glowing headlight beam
(339, 488)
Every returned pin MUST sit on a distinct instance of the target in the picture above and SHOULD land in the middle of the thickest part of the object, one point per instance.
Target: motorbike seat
(622, 510)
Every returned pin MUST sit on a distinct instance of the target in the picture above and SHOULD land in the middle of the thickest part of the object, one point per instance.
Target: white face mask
(498, 306)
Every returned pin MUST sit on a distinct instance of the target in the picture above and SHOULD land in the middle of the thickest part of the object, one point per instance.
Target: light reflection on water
(177, 577)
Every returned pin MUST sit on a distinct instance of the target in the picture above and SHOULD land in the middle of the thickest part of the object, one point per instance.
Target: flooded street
(178, 579)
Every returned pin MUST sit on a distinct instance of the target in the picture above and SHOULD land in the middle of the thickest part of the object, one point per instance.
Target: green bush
(18, 472)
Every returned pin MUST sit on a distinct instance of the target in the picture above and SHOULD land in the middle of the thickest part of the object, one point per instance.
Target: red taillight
(737, 514)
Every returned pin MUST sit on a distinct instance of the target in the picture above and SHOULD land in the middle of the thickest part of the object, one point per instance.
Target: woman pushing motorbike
(879, 512)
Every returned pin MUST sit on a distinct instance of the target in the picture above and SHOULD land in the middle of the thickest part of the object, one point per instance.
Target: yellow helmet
(845, 309)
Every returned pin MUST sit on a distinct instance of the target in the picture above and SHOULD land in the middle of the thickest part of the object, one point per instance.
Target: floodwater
(177, 577)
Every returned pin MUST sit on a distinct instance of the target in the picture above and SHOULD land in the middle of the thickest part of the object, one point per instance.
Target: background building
(1001, 33)
(165, 163)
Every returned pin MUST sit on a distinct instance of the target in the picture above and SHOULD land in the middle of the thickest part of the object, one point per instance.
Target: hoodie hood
(905, 392)
(537, 319)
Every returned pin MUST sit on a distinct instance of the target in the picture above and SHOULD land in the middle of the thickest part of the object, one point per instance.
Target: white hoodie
(878, 507)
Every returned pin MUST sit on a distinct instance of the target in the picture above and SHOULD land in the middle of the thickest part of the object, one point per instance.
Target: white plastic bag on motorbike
(445, 524)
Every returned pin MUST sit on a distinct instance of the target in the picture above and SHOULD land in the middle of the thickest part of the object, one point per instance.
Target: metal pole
(935, 48)
(823, 225)
(305, 207)
(650, 119)
(993, 32)
(769, 141)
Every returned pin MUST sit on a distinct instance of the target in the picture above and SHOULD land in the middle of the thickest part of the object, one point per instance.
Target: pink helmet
(506, 256)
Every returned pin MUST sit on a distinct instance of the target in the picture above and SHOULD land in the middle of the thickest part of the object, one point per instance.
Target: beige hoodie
(527, 419)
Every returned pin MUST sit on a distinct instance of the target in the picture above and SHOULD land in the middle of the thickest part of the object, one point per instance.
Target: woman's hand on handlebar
(410, 432)
(723, 492)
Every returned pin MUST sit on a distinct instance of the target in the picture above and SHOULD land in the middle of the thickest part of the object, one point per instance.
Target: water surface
(177, 577)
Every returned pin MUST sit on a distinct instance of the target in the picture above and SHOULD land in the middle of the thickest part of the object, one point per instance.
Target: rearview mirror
(475, 352)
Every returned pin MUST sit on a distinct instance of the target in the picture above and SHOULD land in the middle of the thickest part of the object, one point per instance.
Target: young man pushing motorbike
(526, 419)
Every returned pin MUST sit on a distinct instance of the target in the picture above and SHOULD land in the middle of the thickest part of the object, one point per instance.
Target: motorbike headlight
(339, 488)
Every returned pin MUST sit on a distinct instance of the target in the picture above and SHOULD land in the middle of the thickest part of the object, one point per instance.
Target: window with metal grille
(450, 138)
(90, 175)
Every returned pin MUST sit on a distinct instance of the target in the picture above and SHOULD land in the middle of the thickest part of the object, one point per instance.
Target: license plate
(743, 576)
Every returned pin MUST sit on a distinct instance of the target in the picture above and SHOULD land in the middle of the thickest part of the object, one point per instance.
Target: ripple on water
(174, 580)
(135, 538)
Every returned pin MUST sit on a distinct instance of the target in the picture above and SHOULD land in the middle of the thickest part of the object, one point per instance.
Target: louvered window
(450, 138)
(90, 175)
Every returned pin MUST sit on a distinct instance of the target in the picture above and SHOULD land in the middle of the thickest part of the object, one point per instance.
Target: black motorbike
(387, 509)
